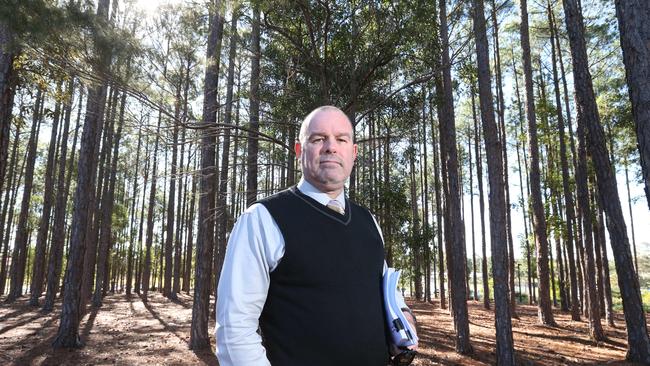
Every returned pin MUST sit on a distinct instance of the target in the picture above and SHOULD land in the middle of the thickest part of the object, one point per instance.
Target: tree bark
(569, 206)
(9, 200)
(522, 202)
(638, 343)
(598, 242)
(471, 204)
(171, 235)
(222, 212)
(106, 234)
(71, 311)
(190, 236)
(595, 327)
(182, 188)
(479, 178)
(38, 269)
(100, 181)
(437, 188)
(629, 206)
(254, 112)
(205, 239)
(146, 271)
(19, 257)
(7, 90)
(502, 128)
(134, 203)
(609, 314)
(498, 238)
(455, 235)
(139, 266)
(55, 260)
(634, 30)
(539, 221)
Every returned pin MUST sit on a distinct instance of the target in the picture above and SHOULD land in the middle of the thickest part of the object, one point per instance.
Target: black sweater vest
(324, 304)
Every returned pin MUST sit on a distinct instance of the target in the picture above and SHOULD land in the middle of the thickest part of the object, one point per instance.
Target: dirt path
(568, 344)
(125, 331)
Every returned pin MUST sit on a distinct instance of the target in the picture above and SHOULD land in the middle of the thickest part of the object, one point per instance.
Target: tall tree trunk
(439, 213)
(205, 239)
(629, 207)
(598, 242)
(415, 219)
(21, 242)
(8, 81)
(190, 237)
(71, 312)
(139, 264)
(12, 204)
(182, 189)
(171, 235)
(504, 142)
(524, 207)
(96, 228)
(471, 204)
(638, 343)
(568, 194)
(100, 180)
(609, 314)
(564, 288)
(634, 29)
(9, 199)
(498, 237)
(479, 178)
(254, 112)
(595, 328)
(134, 202)
(106, 235)
(38, 269)
(456, 233)
(539, 221)
(146, 270)
(55, 261)
(222, 215)
(424, 183)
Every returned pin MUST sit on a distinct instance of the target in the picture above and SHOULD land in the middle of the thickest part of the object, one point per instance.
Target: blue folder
(401, 332)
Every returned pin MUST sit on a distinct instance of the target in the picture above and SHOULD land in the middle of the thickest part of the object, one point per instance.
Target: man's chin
(329, 185)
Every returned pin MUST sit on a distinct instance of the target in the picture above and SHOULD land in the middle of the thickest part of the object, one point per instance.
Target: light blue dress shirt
(254, 250)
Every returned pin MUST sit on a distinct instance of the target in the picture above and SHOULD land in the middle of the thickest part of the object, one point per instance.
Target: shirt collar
(313, 192)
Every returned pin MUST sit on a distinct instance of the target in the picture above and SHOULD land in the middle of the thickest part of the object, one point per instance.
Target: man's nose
(330, 145)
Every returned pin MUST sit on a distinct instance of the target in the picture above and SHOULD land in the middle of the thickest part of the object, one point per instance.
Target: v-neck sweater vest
(324, 304)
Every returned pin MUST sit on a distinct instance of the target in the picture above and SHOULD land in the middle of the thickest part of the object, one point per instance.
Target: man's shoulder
(276, 197)
(359, 207)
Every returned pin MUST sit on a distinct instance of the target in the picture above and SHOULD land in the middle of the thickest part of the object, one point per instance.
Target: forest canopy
(500, 143)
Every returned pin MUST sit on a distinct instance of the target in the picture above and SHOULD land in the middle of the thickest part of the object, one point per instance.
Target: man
(305, 266)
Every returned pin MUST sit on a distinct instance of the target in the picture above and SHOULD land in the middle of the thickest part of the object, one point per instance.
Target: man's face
(327, 154)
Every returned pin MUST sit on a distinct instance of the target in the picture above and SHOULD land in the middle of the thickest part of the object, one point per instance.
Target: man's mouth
(330, 162)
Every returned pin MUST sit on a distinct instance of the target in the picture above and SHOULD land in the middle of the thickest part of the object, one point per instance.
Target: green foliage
(120, 218)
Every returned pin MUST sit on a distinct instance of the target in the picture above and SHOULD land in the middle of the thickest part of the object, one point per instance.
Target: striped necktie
(336, 206)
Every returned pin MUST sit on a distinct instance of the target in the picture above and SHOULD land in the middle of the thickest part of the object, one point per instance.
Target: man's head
(326, 149)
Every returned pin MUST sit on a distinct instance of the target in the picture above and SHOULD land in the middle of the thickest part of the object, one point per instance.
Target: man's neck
(307, 187)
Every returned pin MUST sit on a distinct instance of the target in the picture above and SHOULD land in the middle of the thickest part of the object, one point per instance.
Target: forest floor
(126, 331)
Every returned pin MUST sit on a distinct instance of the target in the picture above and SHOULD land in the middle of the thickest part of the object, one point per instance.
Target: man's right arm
(254, 249)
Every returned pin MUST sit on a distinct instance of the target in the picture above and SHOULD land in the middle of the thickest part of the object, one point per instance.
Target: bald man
(305, 265)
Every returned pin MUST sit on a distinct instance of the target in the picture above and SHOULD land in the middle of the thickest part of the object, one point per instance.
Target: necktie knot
(336, 206)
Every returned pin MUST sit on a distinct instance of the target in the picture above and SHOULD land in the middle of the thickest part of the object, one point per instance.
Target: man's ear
(298, 149)
(355, 151)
